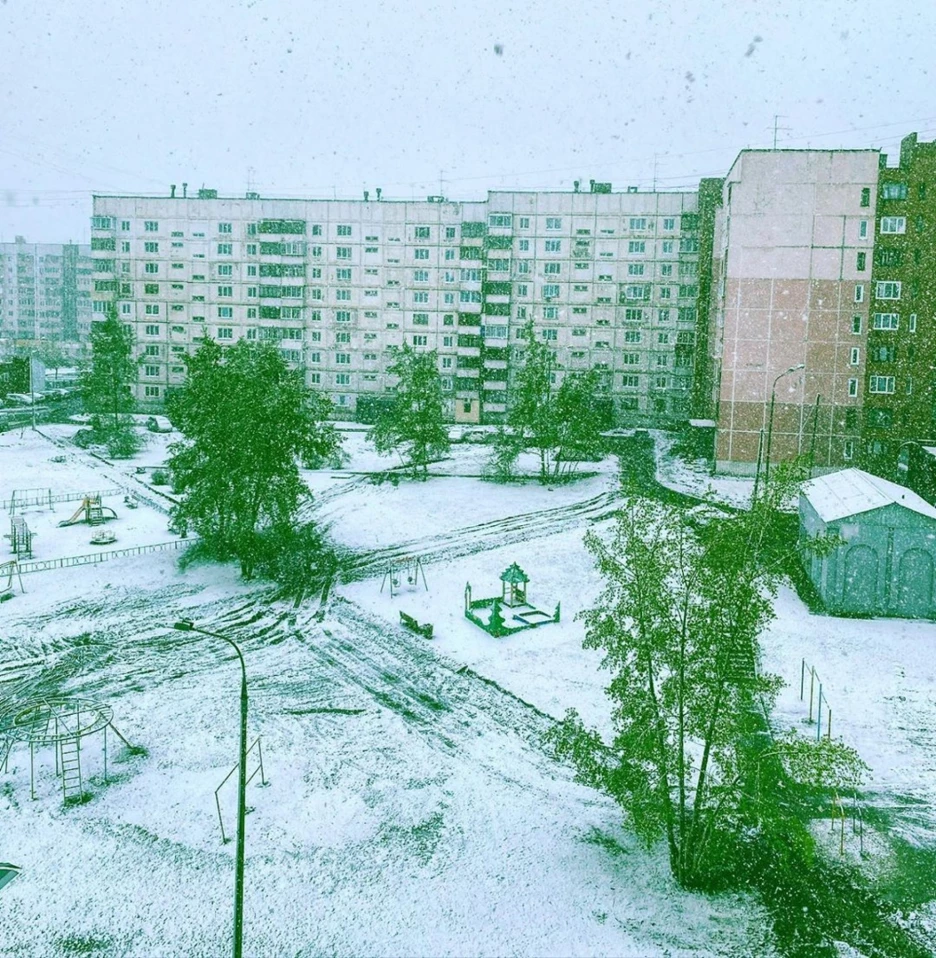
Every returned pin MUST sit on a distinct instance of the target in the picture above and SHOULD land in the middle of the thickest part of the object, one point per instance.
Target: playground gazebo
(514, 585)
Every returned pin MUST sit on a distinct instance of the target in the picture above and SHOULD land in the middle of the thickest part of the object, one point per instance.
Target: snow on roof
(514, 574)
(852, 491)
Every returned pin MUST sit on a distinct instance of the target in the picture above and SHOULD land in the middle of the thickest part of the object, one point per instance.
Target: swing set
(409, 568)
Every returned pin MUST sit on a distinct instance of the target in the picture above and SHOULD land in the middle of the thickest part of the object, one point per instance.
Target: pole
(773, 400)
(760, 457)
(812, 682)
(812, 441)
(802, 678)
(819, 715)
(185, 625)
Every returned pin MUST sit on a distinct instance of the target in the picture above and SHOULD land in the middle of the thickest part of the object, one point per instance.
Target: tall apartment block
(792, 237)
(609, 279)
(900, 405)
(45, 294)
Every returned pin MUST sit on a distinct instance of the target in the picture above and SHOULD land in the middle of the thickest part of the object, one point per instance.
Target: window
(859, 293)
(633, 336)
(630, 359)
(225, 312)
(865, 196)
(151, 392)
(887, 289)
(862, 261)
(635, 269)
(420, 319)
(553, 246)
(343, 295)
(863, 229)
(343, 275)
(224, 227)
(499, 219)
(882, 385)
(421, 232)
(888, 257)
(342, 379)
(151, 226)
(499, 265)
(663, 315)
(886, 321)
(152, 330)
(225, 249)
(225, 290)
(638, 223)
(225, 332)
(912, 325)
(637, 292)
(152, 309)
(342, 252)
(342, 359)
(422, 275)
(550, 290)
(637, 246)
(550, 312)
(630, 381)
(524, 246)
(663, 338)
(856, 324)
(689, 291)
(446, 362)
(342, 316)
(226, 269)
(552, 268)
(420, 340)
(550, 335)
(342, 337)
(126, 308)
(315, 379)
(315, 357)
(524, 222)
(450, 232)
(635, 314)
(124, 224)
(893, 224)
(450, 254)
(909, 387)
(855, 356)
(848, 449)
(251, 249)
(151, 288)
(448, 340)
(151, 268)
(523, 266)
(344, 230)
(852, 387)
(893, 191)
(151, 351)
(421, 253)
(553, 223)
(448, 299)
(151, 247)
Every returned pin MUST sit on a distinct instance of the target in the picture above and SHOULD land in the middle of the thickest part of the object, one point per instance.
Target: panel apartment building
(788, 307)
(45, 294)
(609, 279)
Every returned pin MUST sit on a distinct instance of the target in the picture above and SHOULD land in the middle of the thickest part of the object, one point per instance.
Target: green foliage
(246, 418)
(678, 622)
(562, 425)
(122, 441)
(413, 427)
(106, 382)
(824, 764)
(501, 466)
(496, 622)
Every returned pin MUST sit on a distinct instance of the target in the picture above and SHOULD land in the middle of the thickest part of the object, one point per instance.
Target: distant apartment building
(792, 237)
(900, 406)
(610, 280)
(45, 295)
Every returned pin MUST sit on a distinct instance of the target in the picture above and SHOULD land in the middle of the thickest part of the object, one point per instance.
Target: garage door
(915, 583)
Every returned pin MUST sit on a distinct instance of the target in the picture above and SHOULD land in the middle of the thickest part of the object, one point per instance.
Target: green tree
(678, 622)
(247, 420)
(413, 427)
(561, 424)
(106, 384)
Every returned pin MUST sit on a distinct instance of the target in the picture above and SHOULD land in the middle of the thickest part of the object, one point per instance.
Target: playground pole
(186, 625)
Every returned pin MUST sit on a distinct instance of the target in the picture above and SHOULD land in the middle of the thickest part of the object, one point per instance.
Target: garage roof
(853, 491)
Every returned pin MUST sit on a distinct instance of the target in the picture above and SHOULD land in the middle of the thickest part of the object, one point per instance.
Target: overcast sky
(329, 98)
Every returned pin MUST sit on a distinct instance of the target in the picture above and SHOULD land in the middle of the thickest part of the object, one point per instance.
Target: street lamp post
(186, 625)
(773, 399)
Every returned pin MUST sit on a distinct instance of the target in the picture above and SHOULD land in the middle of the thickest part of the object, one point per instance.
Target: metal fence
(19, 501)
(45, 565)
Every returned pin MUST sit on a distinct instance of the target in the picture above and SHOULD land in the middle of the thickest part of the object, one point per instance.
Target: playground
(55, 507)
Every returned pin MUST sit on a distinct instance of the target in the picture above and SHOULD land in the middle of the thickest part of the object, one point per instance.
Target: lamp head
(184, 625)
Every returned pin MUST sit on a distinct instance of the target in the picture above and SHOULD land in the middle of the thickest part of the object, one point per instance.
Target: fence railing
(18, 501)
(92, 558)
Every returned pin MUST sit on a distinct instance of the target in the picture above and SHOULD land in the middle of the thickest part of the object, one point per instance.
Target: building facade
(609, 279)
(45, 295)
(901, 400)
(792, 239)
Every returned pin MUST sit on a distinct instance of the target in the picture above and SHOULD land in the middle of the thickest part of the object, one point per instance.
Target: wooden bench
(408, 622)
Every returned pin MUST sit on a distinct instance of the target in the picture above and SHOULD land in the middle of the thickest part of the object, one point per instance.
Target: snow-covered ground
(411, 806)
(695, 477)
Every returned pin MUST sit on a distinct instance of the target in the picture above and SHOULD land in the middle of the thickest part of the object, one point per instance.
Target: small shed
(513, 585)
(886, 564)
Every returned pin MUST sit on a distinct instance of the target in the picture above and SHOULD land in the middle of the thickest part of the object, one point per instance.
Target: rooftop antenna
(250, 179)
(654, 172)
(776, 128)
